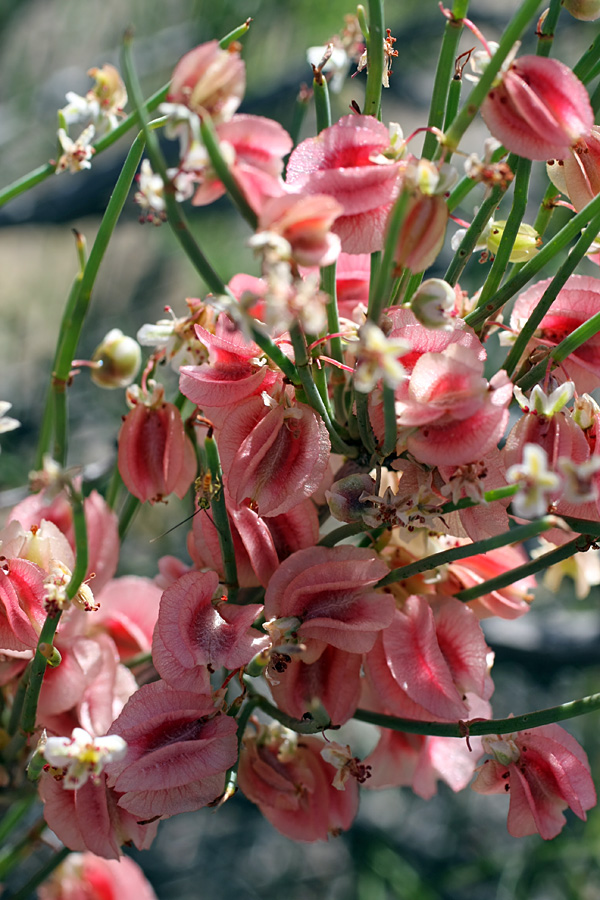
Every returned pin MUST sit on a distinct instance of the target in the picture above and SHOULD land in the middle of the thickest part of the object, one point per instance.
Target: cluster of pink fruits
(340, 431)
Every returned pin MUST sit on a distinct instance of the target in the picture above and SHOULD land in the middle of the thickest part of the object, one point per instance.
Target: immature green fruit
(585, 10)
(117, 360)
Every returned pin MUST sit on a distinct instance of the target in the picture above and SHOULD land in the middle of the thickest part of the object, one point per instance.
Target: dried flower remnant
(538, 483)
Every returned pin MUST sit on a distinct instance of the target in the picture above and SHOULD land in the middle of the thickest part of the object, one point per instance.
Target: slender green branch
(365, 429)
(569, 345)
(219, 164)
(128, 512)
(322, 104)
(550, 294)
(580, 543)
(40, 876)
(469, 241)
(513, 32)
(375, 59)
(560, 240)
(175, 215)
(15, 855)
(444, 75)
(390, 423)
(476, 728)
(235, 35)
(340, 534)
(312, 394)
(14, 814)
(500, 264)
(17, 707)
(586, 64)
(42, 172)
(490, 496)
(300, 726)
(452, 554)
(381, 283)
(219, 511)
(275, 354)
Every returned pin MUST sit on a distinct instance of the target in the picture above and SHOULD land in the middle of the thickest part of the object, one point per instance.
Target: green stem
(235, 35)
(381, 284)
(453, 102)
(40, 174)
(299, 114)
(221, 519)
(21, 850)
(551, 293)
(375, 58)
(38, 666)
(343, 532)
(14, 814)
(546, 34)
(586, 64)
(17, 707)
(514, 536)
(560, 240)
(322, 104)
(175, 215)
(236, 195)
(512, 33)
(47, 869)
(390, 423)
(579, 543)
(490, 496)
(488, 726)
(128, 512)
(298, 725)
(312, 394)
(474, 231)
(500, 264)
(444, 75)
(365, 429)
(570, 344)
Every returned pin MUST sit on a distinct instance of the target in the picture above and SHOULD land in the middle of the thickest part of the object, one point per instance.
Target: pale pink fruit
(331, 591)
(544, 770)
(22, 612)
(422, 233)
(209, 79)
(539, 110)
(128, 612)
(85, 876)
(293, 787)
(346, 162)
(576, 302)
(178, 750)
(305, 222)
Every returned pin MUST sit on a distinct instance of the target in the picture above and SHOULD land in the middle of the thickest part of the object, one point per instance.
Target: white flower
(578, 484)
(77, 154)
(377, 358)
(538, 483)
(545, 404)
(6, 422)
(82, 756)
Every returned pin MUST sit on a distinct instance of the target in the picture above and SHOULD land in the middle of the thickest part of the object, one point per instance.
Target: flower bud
(584, 10)
(209, 79)
(539, 109)
(117, 360)
(422, 233)
(432, 302)
(526, 243)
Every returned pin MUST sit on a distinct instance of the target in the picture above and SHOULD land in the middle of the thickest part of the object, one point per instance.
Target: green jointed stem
(546, 34)
(375, 58)
(235, 35)
(514, 536)
(38, 667)
(221, 519)
(129, 510)
(340, 534)
(502, 258)
(40, 174)
(512, 33)
(588, 61)
(453, 102)
(580, 543)
(219, 164)
(550, 294)
(380, 287)
(312, 394)
(276, 354)
(489, 726)
(322, 104)
(365, 429)
(466, 503)
(444, 75)
(469, 241)
(390, 423)
(560, 240)
(175, 215)
(560, 353)
(47, 869)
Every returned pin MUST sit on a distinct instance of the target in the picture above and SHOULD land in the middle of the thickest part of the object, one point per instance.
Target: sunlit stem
(235, 35)
(489, 726)
(502, 258)
(550, 295)
(221, 519)
(469, 241)
(452, 554)
(381, 286)
(585, 66)
(531, 268)
(375, 59)
(444, 75)
(512, 33)
(175, 215)
(219, 164)
(38, 668)
(580, 543)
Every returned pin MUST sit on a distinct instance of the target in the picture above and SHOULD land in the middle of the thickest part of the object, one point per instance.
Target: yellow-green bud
(117, 360)
(526, 244)
(585, 10)
(432, 303)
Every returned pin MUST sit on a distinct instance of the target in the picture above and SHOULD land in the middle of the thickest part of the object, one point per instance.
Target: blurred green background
(454, 847)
